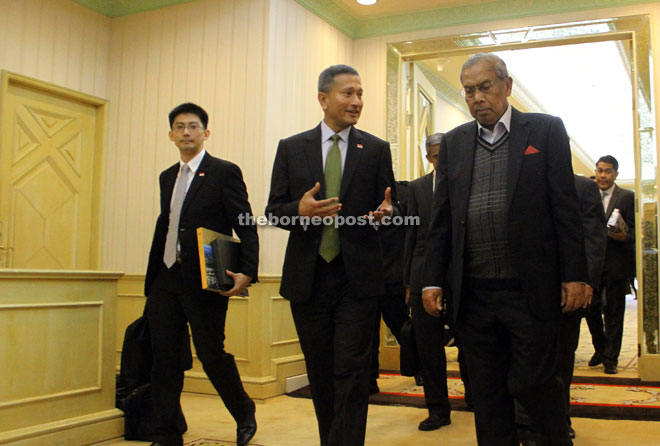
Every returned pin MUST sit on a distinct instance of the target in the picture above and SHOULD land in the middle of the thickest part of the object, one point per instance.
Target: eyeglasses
(179, 127)
(484, 87)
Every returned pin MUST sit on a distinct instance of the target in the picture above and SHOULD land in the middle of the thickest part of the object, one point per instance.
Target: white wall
(56, 41)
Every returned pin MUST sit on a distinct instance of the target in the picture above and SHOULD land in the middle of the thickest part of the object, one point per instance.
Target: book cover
(217, 253)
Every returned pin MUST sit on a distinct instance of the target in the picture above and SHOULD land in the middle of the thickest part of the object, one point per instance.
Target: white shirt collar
(327, 132)
(609, 191)
(505, 121)
(194, 163)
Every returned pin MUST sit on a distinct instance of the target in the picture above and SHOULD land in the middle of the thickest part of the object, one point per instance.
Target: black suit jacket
(620, 257)
(215, 199)
(593, 223)
(367, 173)
(543, 217)
(420, 201)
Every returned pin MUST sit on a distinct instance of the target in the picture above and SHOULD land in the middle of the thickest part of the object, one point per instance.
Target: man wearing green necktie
(333, 272)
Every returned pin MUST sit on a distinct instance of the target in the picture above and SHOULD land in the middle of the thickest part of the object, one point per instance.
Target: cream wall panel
(210, 52)
(56, 41)
(57, 332)
(300, 46)
(51, 377)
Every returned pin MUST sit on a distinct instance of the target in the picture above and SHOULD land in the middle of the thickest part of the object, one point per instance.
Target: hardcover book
(217, 253)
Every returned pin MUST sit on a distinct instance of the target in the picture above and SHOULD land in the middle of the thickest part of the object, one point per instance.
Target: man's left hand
(241, 282)
(385, 208)
(619, 236)
(573, 296)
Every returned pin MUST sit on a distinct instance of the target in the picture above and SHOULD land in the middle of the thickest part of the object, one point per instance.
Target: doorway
(629, 36)
(51, 157)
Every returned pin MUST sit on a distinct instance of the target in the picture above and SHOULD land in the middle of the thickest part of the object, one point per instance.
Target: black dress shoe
(595, 360)
(434, 422)
(373, 389)
(246, 429)
(571, 432)
(611, 369)
(419, 381)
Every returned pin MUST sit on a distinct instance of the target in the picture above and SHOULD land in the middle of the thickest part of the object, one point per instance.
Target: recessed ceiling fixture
(366, 2)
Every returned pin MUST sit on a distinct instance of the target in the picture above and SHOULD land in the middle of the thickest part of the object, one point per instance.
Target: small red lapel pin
(359, 146)
(531, 149)
(201, 174)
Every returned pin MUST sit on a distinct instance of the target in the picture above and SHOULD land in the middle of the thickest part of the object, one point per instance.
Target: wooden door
(50, 158)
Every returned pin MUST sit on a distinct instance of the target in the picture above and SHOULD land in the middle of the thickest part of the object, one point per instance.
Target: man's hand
(432, 300)
(572, 296)
(241, 282)
(385, 207)
(407, 295)
(619, 236)
(310, 207)
(589, 295)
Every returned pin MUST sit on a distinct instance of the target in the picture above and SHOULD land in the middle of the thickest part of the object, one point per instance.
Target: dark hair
(327, 76)
(433, 140)
(189, 107)
(498, 64)
(610, 160)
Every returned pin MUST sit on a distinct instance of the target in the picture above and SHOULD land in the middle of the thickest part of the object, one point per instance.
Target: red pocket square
(530, 150)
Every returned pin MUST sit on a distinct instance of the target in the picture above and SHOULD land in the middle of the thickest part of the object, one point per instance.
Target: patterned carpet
(209, 442)
(593, 393)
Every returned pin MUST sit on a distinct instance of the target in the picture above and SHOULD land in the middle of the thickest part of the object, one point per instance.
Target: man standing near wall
(619, 265)
(506, 239)
(198, 191)
(332, 274)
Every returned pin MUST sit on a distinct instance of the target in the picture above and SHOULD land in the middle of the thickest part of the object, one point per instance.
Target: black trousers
(569, 338)
(432, 359)
(392, 306)
(610, 308)
(335, 329)
(511, 354)
(170, 307)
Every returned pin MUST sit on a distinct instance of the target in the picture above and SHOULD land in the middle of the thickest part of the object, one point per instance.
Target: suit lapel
(314, 155)
(518, 134)
(464, 154)
(168, 186)
(197, 182)
(427, 190)
(352, 160)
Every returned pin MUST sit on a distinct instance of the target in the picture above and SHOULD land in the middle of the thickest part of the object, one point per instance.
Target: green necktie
(329, 248)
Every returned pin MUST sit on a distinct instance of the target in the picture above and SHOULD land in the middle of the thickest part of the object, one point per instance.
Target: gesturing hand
(385, 207)
(311, 207)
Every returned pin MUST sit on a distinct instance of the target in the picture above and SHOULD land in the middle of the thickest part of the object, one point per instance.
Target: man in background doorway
(606, 313)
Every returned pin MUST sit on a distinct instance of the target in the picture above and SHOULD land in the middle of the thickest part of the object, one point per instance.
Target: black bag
(408, 357)
(133, 395)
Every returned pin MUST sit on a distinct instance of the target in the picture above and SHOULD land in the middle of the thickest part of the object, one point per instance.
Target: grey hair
(498, 64)
(327, 76)
(433, 140)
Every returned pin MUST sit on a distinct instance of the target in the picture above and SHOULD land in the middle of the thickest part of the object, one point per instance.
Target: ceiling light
(366, 2)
